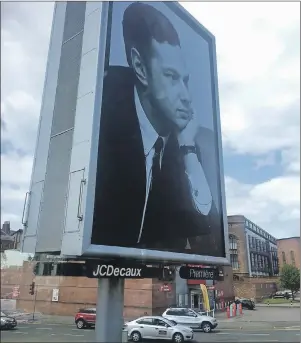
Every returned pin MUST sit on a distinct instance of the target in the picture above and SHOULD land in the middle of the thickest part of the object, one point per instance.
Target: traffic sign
(197, 273)
(165, 288)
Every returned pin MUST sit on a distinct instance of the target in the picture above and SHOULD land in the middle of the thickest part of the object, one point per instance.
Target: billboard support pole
(109, 310)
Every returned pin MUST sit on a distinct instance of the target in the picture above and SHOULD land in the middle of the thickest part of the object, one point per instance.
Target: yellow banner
(206, 303)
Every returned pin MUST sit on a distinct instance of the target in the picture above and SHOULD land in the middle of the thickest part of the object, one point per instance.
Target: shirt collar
(149, 134)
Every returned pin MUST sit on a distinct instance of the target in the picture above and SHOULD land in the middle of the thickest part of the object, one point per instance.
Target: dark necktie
(156, 161)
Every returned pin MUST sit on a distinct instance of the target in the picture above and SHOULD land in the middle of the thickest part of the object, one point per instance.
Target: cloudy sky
(258, 49)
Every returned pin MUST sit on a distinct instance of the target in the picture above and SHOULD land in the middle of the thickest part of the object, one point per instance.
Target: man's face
(167, 80)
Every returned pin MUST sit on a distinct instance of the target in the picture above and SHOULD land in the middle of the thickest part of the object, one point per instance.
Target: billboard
(147, 181)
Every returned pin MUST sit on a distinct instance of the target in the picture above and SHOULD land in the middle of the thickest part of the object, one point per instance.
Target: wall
(141, 295)
(257, 288)
(237, 228)
(287, 245)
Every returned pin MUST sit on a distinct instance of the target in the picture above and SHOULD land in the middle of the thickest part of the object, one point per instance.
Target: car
(191, 318)
(85, 318)
(157, 327)
(7, 322)
(283, 294)
(246, 303)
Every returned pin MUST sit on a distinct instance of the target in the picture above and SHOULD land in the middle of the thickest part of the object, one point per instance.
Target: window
(232, 242)
(234, 261)
(283, 257)
(159, 322)
(146, 321)
(293, 258)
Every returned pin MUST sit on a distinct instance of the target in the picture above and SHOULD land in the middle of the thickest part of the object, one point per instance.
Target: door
(192, 318)
(147, 328)
(163, 330)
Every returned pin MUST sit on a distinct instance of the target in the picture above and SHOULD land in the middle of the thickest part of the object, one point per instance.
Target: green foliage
(290, 278)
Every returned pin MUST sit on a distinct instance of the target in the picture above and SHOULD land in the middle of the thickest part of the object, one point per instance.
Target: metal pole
(34, 302)
(109, 310)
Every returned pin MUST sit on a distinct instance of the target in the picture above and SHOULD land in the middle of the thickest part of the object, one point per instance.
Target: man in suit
(148, 192)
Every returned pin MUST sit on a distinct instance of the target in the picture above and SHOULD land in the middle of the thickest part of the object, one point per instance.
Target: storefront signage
(195, 273)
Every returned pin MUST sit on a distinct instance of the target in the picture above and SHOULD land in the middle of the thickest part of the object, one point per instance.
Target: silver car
(155, 327)
(190, 318)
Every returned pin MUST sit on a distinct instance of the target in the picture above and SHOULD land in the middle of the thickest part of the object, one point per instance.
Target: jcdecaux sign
(111, 270)
(107, 271)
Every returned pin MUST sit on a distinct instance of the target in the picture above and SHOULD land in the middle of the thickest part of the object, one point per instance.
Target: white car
(156, 327)
(190, 318)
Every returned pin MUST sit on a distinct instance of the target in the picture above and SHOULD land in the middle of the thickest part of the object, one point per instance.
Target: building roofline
(294, 237)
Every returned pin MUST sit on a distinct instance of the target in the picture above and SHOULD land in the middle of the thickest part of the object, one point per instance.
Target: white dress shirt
(199, 187)
(149, 138)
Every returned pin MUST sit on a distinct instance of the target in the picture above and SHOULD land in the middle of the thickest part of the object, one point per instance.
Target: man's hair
(142, 23)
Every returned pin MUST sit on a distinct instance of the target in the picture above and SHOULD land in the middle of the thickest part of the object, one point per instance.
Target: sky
(258, 52)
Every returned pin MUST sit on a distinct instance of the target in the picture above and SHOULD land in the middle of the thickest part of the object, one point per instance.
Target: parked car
(7, 322)
(190, 318)
(283, 294)
(85, 318)
(156, 327)
(246, 303)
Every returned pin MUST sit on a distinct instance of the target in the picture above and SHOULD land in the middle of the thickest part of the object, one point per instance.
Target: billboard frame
(92, 250)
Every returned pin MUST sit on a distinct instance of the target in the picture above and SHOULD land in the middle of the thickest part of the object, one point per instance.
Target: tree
(3, 260)
(290, 278)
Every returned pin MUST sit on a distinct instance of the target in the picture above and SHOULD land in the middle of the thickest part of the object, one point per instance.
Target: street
(69, 333)
(265, 324)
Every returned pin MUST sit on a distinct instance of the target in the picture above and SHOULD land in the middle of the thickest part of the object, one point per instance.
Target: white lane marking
(243, 334)
(266, 340)
(22, 327)
(297, 334)
(43, 328)
(23, 333)
(70, 334)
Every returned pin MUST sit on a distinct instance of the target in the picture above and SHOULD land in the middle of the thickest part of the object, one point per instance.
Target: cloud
(274, 204)
(259, 72)
(258, 63)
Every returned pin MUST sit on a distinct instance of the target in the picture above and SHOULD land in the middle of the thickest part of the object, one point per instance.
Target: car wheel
(136, 336)
(206, 327)
(80, 324)
(178, 337)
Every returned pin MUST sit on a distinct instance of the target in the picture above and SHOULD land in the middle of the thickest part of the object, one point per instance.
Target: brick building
(253, 251)
(289, 251)
(10, 239)
(141, 295)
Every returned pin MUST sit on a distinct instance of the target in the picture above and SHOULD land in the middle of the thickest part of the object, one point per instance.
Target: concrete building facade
(289, 251)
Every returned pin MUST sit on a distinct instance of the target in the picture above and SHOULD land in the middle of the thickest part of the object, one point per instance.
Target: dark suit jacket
(121, 180)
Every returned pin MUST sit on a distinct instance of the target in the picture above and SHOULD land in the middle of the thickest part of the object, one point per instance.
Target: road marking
(23, 333)
(22, 327)
(43, 328)
(297, 334)
(243, 334)
(70, 334)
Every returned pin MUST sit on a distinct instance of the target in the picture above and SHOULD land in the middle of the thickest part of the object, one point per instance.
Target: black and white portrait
(158, 178)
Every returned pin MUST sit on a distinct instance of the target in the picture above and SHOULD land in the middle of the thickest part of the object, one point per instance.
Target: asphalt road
(69, 333)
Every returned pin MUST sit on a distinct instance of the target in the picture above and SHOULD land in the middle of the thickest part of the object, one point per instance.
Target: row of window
(259, 263)
(257, 244)
(260, 231)
(292, 257)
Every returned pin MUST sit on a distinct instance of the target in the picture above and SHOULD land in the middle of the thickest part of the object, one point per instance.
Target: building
(189, 294)
(253, 251)
(289, 251)
(10, 239)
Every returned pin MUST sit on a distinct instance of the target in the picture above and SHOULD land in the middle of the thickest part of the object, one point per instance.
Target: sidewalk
(279, 305)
